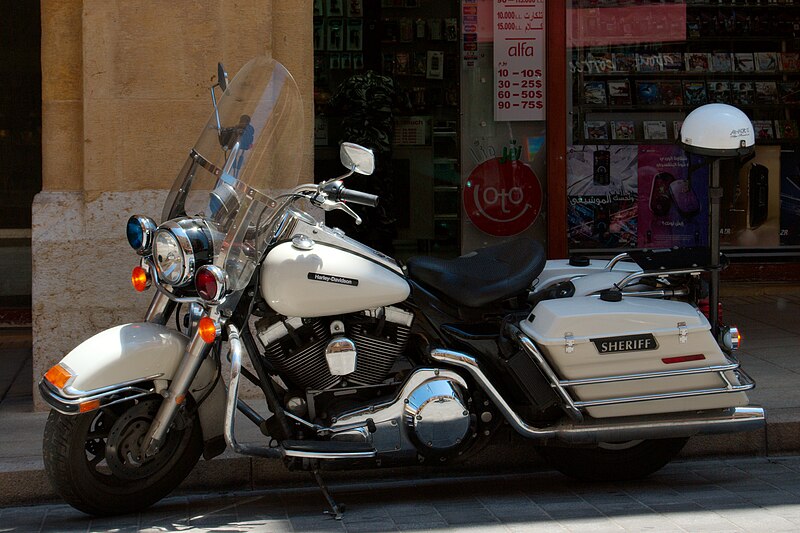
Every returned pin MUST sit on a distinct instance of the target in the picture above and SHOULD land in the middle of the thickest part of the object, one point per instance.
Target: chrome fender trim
(112, 365)
(590, 431)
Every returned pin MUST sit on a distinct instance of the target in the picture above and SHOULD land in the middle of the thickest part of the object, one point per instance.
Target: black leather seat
(481, 277)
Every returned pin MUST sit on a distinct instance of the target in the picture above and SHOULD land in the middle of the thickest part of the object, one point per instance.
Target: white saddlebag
(586, 338)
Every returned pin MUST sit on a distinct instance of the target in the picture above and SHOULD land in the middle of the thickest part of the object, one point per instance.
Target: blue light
(135, 233)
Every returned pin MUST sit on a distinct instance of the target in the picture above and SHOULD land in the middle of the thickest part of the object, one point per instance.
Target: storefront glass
(636, 69)
(460, 162)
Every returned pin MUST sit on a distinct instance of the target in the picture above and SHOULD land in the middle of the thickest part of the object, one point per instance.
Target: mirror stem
(216, 109)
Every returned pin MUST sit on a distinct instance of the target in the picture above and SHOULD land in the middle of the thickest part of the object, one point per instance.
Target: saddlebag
(636, 356)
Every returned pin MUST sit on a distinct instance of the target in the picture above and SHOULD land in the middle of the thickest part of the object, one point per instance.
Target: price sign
(519, 41)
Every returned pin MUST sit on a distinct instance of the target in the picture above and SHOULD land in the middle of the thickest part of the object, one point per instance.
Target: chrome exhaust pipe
(621, 429)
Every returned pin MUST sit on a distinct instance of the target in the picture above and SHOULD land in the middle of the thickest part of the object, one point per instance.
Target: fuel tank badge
(316, 276)
(626, 343)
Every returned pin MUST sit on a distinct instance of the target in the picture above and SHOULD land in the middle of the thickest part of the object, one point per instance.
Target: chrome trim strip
(69, 392)
(683, 424)
(649, 375)
(664, 396)
(728, 387)
(616, 259)
(328, 455)
(627, 280)
(569, 405)
(70, 406)
(660, 293)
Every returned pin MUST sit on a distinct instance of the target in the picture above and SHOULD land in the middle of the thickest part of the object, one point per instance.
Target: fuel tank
(321, 272)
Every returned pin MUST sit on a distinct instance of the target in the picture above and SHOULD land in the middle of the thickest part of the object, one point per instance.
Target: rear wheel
(614, 461)
(93, 459)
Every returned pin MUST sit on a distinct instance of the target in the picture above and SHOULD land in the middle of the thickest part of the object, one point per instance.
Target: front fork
(159, 312)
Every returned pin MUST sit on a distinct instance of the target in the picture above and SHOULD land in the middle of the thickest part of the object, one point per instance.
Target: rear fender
(119, 364)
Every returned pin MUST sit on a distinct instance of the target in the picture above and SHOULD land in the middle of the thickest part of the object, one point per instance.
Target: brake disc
(124, 454)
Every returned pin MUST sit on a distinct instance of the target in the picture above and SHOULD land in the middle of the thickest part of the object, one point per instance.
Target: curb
(25, 482)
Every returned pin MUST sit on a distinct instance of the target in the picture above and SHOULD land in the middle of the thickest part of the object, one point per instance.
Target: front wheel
(613, 461)
(93, 459)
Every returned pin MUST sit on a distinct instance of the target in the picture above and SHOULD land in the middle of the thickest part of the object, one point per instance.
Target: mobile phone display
(602, 167)
(757, 192)
(660, 199)
(684, 198)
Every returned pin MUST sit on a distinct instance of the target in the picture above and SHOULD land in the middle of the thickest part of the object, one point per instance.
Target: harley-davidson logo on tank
(502, 196)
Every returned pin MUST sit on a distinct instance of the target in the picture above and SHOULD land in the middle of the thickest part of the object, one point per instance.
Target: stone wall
(125, 93)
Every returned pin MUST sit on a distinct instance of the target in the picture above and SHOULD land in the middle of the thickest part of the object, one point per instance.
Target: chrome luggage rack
(562, 386)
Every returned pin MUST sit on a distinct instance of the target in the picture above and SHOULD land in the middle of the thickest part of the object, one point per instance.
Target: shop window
(636, 69)
(386, 76)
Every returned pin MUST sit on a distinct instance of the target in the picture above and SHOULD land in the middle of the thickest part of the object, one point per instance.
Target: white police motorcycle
(365, 362)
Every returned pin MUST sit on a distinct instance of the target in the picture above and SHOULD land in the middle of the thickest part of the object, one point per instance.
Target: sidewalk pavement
(770, 353)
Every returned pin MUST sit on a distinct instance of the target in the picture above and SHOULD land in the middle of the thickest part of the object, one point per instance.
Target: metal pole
(715, 199)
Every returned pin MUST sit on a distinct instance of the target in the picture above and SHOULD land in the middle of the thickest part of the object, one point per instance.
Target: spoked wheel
(613, 461)
(94, 460)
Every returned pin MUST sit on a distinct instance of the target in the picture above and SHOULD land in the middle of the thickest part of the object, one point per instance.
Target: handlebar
(358, 197)
(341, 194)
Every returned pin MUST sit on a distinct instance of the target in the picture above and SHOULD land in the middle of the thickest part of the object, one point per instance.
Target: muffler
(590, 431)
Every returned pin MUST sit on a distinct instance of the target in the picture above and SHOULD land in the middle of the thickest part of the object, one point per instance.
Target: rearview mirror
(222, 77)
(357, 158)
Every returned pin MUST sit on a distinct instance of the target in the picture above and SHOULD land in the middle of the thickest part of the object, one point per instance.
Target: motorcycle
(606, 367)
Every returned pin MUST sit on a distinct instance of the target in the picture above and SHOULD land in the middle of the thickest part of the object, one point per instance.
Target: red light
(206, 284)
(140, 279)
(705, 307)
(683, 359)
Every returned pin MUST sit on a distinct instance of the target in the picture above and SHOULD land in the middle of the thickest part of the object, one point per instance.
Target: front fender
(115, 362)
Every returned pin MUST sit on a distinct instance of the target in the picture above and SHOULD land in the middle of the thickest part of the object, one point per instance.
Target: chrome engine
(338, 371)
(316, 354)
(429, 415)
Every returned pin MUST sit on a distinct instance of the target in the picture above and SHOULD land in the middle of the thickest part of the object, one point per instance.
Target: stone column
(125, 93)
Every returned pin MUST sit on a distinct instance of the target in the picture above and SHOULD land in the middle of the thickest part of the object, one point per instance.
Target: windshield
(240, 164)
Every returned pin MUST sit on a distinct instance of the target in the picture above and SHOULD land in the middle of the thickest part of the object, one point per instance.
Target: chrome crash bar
(588, 431)
(236, 351)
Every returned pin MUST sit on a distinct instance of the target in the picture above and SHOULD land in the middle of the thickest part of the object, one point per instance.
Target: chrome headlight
(179, 248)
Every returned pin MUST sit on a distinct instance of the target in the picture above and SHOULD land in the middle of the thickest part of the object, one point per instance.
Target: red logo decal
(502, 199)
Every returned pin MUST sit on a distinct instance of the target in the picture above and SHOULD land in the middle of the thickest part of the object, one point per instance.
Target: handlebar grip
(358, 197)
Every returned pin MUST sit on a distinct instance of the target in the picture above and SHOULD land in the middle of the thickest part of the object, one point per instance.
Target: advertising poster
(601, 193)
(790, 198)
(673, 205)
(519, 45)
(751, 201)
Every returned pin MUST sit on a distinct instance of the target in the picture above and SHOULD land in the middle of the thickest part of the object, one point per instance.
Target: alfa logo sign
(502, 198)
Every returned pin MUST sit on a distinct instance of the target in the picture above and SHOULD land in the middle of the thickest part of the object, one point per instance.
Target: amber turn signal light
(58, 376)
(140, 279)
(207, 329)
(89, 405)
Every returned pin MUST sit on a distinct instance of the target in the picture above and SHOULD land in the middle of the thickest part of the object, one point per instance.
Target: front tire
(91, 458)
(613, 461)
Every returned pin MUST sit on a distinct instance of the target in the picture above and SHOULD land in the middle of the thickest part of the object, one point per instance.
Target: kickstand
(337, 511)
